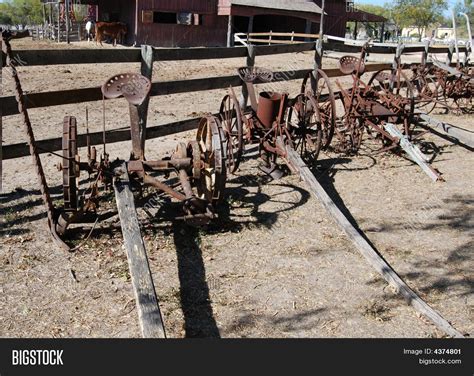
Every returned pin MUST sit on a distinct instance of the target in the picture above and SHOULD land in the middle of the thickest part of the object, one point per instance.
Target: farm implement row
(287, 130)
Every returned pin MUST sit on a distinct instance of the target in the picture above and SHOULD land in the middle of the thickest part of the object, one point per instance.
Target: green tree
(22, 12)
(5, 19)
(422, 13)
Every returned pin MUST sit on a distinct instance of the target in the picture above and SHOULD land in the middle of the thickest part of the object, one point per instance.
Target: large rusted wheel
(304, 123)
(230, 116)
(324, 97)
(396, 93)
(349, 132)
(211, 183)
(427, 93)
(70, 163)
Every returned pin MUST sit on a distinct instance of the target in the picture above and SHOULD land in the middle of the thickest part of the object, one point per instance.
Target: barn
(192, 23)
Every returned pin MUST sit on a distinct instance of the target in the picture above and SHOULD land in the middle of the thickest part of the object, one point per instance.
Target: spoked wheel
(398, 93)
(465, 104)
(230, 116)
(427, 93)
(70, 164)
(211, 182)
(350, 132)
(324, 97)
(305, 127)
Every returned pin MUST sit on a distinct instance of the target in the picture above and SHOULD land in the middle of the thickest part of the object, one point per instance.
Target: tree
(21, 12)
(5, 19)
(373, 27)
(422, 13)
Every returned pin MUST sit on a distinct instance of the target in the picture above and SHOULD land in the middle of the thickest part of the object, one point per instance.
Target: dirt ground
(273, 265)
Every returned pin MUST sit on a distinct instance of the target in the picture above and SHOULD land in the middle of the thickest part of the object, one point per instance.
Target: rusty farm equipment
(273, 120)
(369, 106)
(198, 166)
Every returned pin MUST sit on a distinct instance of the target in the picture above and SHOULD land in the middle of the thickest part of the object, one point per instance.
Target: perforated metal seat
(252, 74)
(348, 64)
(133, 86)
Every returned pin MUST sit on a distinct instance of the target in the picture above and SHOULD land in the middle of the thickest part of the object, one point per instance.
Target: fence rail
(9, 106)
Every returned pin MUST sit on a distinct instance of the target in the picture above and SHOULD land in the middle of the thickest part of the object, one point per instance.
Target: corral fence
(146, 56)
(272, 37)
(58, 33)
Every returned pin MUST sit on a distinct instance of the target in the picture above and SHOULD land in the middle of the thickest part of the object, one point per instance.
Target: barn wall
(212, 31)
(119, 11)
(335, 19)
(279, 24)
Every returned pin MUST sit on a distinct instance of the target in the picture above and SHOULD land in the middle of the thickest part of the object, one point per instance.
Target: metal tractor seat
(134, 87)
(348, 65)
(252, 74)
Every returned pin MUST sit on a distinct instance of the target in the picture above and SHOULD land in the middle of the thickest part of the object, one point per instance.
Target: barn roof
(361, 16)
(289, 5)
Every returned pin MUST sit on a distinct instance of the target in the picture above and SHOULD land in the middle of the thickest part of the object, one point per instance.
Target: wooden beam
(63, 97)
(149, 315)
(1, 116)
(462, 135)
(118, 135)
(413, 152)
(363, 246)
(251, 53)
(146, 71)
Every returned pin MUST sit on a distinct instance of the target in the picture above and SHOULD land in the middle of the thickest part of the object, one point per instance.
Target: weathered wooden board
(149, 315)
(413, 152)
(118, 135)
(462, 135)
(363, 246)
(62, 97)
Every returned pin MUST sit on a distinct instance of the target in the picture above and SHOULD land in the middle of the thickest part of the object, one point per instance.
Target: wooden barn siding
(212, 32)
(126, 11)
(195, 6)
(335, 19)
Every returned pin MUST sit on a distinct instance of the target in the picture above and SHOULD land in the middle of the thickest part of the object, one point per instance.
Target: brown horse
(116, 30)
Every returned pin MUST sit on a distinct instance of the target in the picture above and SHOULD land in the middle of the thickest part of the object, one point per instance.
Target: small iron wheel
(306, 132)
(230, 116)
(324, 97)
(211, 184)
(70, 164)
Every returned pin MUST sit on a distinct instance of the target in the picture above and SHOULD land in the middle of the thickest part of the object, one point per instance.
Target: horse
(90, 30)
(116, 30)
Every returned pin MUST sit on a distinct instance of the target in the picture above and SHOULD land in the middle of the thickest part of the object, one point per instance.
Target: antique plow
(300, 121)
(198, 166)
(367, 107)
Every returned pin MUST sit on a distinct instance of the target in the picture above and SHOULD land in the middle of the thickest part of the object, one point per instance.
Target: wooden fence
(146, 56)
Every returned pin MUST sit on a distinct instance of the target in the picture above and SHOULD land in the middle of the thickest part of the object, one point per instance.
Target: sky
(451, 3)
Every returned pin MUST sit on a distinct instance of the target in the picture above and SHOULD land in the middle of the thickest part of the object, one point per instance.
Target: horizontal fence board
(133, 55)
(63, 97)
(119, 135)
(79, 56)
(171, 54)
(283, 49)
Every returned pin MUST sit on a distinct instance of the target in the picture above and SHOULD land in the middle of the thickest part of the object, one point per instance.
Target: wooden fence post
(251, 53)
(424, 57)
(147, 71)
(1, 115)
(270, 38)
(450, 54)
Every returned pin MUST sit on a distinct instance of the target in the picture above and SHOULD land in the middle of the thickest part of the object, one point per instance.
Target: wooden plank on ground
(363, 246)
(149, 315)
(462, 135)
(413, 152)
